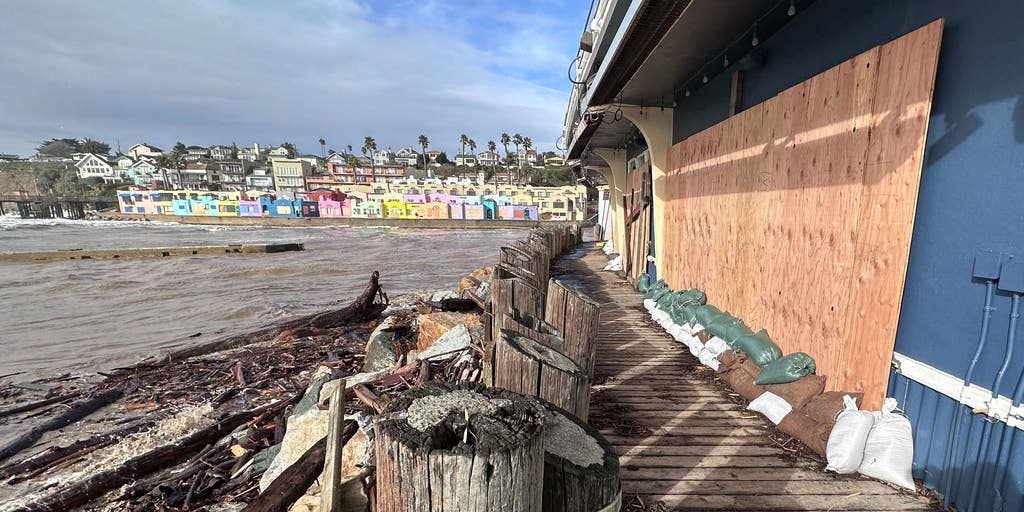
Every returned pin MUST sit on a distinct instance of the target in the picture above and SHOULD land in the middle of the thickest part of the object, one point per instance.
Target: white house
(488, 158)
(278, 152)
(123, 162)
(95, 166)
(315, 162)
(143, 172)
(407, 156)
(251, 154)
(222, 152)
(467, 160)
(140, 150)
(383, 157)
(196, 153)
(260, 179)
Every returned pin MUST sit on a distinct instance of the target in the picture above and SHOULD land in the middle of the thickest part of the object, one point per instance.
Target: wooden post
(578, 318)
(455, 448)
(525, 366)
(330, 496)
(508, 290)
(534, 328)
(581, 469)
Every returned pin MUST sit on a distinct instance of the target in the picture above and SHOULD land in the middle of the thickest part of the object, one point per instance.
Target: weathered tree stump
(526, 366)
(578, 318)
(457, 448)
(581, 470)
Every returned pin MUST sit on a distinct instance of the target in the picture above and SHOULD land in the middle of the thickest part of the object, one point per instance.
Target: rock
(262, 460)
(467, 283)
(303, 431)
(457, 338)
(328, 388)
(312, 394)
(434, 325)
(387, 343)
(440, 295)
(482, 274)
(352, 497)
(392, 310)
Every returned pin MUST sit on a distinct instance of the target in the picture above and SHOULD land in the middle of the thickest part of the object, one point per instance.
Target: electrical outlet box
(1011, 277)
(986, 265)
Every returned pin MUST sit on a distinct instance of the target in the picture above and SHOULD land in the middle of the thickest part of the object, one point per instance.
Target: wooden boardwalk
(701, 450)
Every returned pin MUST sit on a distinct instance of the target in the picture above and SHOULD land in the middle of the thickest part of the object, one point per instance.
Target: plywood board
(796, 214)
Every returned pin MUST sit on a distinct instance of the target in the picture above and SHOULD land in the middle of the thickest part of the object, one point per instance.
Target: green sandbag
(759, 347)
(658, 287)
(682, 314)
(657, 294)
(643, 283)
(707, 314)
(785, 369)
(728, 328)
(692, 297)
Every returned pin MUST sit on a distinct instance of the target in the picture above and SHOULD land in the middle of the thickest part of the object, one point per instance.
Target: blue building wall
(971, 200)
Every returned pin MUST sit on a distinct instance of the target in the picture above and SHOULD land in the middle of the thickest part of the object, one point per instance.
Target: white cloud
(227, 71)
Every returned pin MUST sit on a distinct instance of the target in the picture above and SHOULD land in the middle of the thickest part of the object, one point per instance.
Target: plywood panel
(797, 213)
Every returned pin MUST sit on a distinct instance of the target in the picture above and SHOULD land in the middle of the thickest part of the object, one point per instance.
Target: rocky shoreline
(209, 428)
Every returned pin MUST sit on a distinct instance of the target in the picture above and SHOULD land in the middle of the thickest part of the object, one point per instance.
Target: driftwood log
(362, 309)
(293, 483)
(528, 367)
(84, 491)
(79, 411)
(460, 448)
(581, 470)
(578, 318)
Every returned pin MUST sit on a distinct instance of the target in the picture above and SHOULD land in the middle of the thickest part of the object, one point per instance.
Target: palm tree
(517, 140)
(491, 148)
(350, 149)
(505, 141)
(424, 143)
(463, 140)
(323, 148)
(163, 161)
(370, 147)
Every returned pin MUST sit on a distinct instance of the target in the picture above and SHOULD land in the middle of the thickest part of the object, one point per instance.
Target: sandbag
(773, 406)
(643, 283)
(706, 314)
(656, 290)
(845, 449)
(889, 449)
(703, 335)
(666, 301)
(716, 346)
(728, 359)
(708, 358)
(684, 314)
(824, 407)
(739, 376)
(729, 328)
(691, 297)
(759, 347)
(787, 368)
(799, 392)
(812, 434)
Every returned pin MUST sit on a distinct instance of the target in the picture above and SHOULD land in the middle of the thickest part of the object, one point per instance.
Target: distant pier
(50, 207)
(149, 252)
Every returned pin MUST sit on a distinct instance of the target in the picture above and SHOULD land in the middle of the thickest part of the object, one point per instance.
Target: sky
(207, 72)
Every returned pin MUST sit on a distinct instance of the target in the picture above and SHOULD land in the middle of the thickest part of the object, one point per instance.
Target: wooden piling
(528, 367)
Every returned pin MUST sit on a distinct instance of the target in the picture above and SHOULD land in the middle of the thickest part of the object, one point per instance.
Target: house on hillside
(222, 152)
(290, 174)
(196, 153)
(196, 176)
(96, 166)
(467, 160)
(432, 157)
(407, 156)
(141, 150)
(488, 158)
(232, 174)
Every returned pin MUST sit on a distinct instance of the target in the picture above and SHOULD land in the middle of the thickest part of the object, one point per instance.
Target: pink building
(331, 208)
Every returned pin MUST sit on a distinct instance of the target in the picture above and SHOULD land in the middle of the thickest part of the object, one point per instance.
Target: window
(558, 205)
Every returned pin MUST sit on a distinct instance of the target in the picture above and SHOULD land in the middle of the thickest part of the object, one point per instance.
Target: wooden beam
(330, 496)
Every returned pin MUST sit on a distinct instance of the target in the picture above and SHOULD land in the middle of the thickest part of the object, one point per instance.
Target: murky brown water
(86, 316)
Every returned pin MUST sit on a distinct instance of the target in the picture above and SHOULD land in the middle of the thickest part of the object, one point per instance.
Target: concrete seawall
(329, 221)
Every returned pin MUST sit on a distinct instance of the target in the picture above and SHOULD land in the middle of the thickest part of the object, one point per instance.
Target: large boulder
(388, 342)
(434, 325)
(303, 431)
(456, 339)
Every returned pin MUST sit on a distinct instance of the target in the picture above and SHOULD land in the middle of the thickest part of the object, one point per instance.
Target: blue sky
(222, 71)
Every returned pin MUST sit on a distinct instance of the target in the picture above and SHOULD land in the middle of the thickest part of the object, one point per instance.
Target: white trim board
(973, 396)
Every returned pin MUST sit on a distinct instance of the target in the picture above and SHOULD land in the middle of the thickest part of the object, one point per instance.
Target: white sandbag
(845, 448)
(773, 406)
(716, 345)
(615, 264)
(889, 450)
(695, 347)
(650, 305)
(708, 358)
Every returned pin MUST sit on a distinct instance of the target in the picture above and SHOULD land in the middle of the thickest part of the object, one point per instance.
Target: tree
(505, 141)
(424, 143)
(463, 140)
(58, 147)
(369, 148)
(472, 147)
(350, 149)
(290, 148)
(517, 140)
(180, 148)
(492, 148)
(442, 158)
(94, 146)
(527, 146)
(163, 162)
(323, 148)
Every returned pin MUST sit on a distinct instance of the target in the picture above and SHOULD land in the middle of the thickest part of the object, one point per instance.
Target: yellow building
(398, 210)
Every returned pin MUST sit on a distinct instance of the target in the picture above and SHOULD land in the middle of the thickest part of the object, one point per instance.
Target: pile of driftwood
(247, 382)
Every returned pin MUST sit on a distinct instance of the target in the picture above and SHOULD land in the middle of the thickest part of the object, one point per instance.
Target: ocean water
(84, 316)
